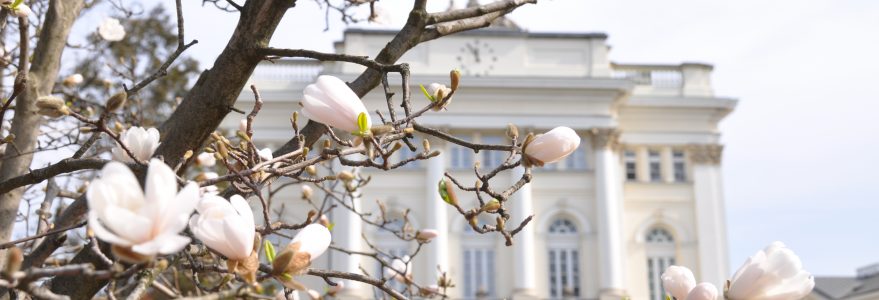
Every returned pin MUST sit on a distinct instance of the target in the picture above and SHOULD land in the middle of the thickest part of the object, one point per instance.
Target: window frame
(630, 165)
(654, 165)
(559, 245)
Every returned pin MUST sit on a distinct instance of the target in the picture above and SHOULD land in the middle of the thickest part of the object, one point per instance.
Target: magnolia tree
(154, 199)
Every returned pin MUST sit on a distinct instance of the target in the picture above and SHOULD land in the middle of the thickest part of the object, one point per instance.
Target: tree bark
(45, 64)
(216, 90)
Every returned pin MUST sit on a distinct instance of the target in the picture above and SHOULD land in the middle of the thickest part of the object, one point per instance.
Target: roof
(845, 287)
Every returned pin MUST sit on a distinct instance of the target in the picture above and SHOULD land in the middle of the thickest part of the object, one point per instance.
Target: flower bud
(549, 147)
(512, 131)
(345, 176)
(501, 223)
(307, 192)
(447, 193)
(704, 291)
(325, 221)
(187, 155)
(425, 235)
(206, 159)
(72, 80)
(426, 145)
(14, 258)
(335, 289)
(314, 295)
(22, 11)
(678, 281)
(52, 107)
(117, 101)
(491, 206)
(311, 170)
(455, 78)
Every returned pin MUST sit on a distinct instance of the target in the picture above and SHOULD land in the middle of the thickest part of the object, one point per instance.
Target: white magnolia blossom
(435, 88)
(703, 291)
(553, 145)
(206, 159)
(111, 30)
(678, 281)
(73, 80)
(225, 226)
(142, 143)
(22, 11)
(140, 223)
(314, 240)
(314, 295)
(774, 273)
(400, 265)
(332, 102)
(265, 154)
(334, 289)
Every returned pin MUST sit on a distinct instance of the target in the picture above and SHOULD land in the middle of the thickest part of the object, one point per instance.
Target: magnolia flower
(678, 281)
(550, 147)
(332, 102)
(142, 143)
(72, 80)
(242, 125)
(225, 226)
(306, 246)
(335, 289)
(111, 30)
(265, 154)
(397, 266)
(206, 159)
(307, 191)
(139, 224)
(22, 11)
(703, 291)
(314, 295)
(772, 273)
(425, 235)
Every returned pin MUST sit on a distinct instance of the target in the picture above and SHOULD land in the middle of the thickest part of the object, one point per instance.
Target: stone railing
(687, 79)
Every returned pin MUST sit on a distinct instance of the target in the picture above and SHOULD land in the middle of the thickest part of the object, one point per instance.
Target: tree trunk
(45, 63)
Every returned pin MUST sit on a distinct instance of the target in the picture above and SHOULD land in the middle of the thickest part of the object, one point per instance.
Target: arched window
(478, 263)
(660, 250)
(564, 259)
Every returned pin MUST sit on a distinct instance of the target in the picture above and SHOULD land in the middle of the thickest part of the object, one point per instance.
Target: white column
(710, 216)
(608, 188)
(668, 170)
(347, 234)
(437, 216)
(525, 283)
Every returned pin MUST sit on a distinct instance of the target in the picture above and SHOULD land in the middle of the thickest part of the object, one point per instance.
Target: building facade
(642, 192)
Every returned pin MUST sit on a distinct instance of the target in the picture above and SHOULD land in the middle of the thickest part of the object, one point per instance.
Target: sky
(801, 153)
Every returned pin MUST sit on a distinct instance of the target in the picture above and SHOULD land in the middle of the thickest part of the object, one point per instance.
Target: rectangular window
(564, 274)
(655, 164)
(679, 165)
(577, 160)
(655, 266)
(492, 159)
(461, 158)
(404, 154)
(631, 165)
(478, 273)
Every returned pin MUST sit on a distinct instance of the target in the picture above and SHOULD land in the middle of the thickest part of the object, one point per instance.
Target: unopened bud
(310, 216)
(512, 131)
(72, 80)
(52, 106)
(396, 147)
(426, 145)
(455, 78)
(119, 127)
(381, 129)
(14, 258)
(117, 101)
(9, 138)
(408, 130)
(327, 144)
(307, 192)
(491, 206)
(22, 11)
(501, 223)
(323, 220)
(345, 176)
(187, 155)
(311, 170)
(446, 192)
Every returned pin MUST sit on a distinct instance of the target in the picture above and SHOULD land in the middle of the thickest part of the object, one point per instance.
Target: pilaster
(710, 217)
(609, 196)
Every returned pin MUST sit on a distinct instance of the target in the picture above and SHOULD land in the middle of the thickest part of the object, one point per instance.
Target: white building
(642, 192)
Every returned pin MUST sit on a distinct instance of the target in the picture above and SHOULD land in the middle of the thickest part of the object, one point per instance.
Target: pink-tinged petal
(678, 281)
(208, 202)
(324, 113)
(105, 234)
(554, 145)
(162, 244)
(210, 233)
(314, 238)
(703, 291)
(341, 93)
